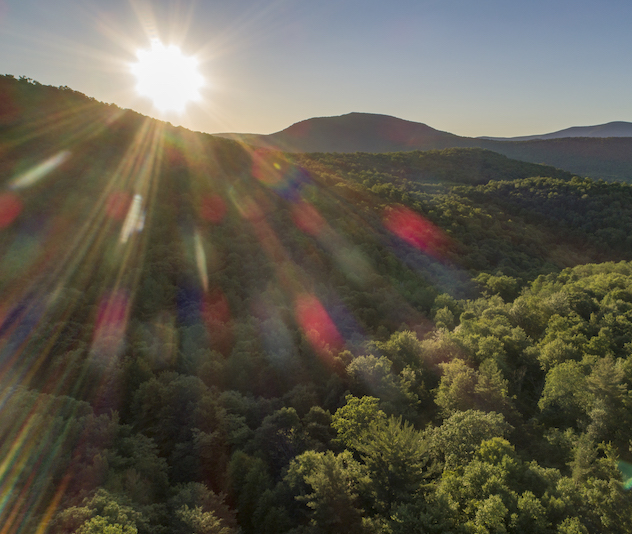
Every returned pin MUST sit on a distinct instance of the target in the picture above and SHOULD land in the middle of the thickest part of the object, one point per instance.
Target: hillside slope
(600, 158)
(199, 336)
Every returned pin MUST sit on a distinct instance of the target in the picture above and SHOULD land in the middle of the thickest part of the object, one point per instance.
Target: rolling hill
(598, 157)
(354, 132)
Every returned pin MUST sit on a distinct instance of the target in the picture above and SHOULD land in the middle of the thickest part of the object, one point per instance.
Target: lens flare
(213, 208)
(10, 207)
(307, 218)
(316, 324)
(215, 311)
(247, 207)
(626, 473)
(282, 176)
(111, 324)
(200, 259)
(415, 230)
(38, 172)
(134, 220)
(117, 204)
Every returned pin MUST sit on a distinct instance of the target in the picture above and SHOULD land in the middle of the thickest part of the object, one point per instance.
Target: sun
(167, 77)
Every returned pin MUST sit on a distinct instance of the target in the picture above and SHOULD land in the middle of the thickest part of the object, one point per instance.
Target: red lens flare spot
(10, 207)
(414, 229)
(213, 208)
(174, 155)
(215, 307)
(117, 205)
(111, 323)
(307, 218)
(316, 324)
(112, 310)
(216, 315)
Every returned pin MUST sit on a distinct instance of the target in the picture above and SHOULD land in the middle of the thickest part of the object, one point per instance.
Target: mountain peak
(356, 132)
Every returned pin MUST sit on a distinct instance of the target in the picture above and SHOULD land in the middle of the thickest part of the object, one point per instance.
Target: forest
(197, 336)
(607, 158)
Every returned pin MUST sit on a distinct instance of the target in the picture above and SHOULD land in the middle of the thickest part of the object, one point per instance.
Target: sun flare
(167, 77)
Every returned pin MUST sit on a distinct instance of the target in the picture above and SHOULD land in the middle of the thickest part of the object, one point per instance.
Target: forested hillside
(607, 158)
(199, 337)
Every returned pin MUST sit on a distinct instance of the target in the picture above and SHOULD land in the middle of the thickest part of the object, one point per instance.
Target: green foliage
(352, 420)
(280, 438)
(456, 389)
(101, 525)
(182, 378)
(196, 521)
(249, 480)
(329, 485)
(460, 435)
(565, 391)
(494, 450)
(370, 375)
(452, 165)
(102, 513)
(395, 455)
(202, 507)
(462, 388)
(402, 349)
(505, 286)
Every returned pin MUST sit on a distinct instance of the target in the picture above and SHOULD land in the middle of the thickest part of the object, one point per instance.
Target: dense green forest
(201, 337)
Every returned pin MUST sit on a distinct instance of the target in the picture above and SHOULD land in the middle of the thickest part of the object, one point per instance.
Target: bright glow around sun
(168, 78)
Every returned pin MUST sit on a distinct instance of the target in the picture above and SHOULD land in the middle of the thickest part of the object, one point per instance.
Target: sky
(491, 67)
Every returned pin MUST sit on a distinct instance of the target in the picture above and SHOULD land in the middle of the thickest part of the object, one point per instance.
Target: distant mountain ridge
(24, 102)
(343, 133)
(581, 150)
(610, 129)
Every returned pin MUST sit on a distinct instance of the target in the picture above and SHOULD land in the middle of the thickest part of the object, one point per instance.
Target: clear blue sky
(491, 67)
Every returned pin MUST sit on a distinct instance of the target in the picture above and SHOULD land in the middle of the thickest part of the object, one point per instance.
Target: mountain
(610, 129)
(600, 158)
(354, 132)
